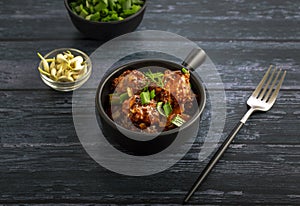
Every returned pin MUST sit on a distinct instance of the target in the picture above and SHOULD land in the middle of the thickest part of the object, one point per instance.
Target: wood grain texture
(42, 160)
(55, 167)
(244, 173)
(226, 20)
(29, 116)
(247, 59)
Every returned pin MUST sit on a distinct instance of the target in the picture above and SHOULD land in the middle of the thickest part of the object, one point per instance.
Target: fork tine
(261, 83)
(266, 86)
(272, 86)
(275, 93)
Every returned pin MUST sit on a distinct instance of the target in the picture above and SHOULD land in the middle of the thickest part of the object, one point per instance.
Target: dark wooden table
(42, 160)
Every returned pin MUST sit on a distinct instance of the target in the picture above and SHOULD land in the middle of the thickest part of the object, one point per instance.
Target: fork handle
(214, 160)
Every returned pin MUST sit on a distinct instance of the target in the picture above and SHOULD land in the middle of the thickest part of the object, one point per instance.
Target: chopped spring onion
(152, 94)
(164, 109)
(167, 109)
(123, 97)
(184, 70)
(160, 109)
(178, 121)
(118, 99)
(93, 17)
(83, 12)
(105, 10)
(156, 78)
(145, 97)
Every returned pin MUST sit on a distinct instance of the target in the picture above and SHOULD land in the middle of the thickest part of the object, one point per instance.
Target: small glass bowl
(67, 86)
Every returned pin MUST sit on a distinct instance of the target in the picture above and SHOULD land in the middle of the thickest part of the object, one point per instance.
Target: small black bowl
(141, 143)
(105, 30)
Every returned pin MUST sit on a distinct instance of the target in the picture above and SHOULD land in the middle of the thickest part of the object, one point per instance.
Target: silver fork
(262, 99)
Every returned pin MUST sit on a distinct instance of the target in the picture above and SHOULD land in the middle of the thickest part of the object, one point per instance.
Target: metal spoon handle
(214, 160)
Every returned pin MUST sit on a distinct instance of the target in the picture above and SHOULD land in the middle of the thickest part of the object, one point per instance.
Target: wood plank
(66, 174)
(240, 64)
(45, 117)
(193, 19)
(42, 160)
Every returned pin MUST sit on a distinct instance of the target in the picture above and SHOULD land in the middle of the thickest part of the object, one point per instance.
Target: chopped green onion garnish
(152, 94)
(167, 109)
(160, 109)
(184, 70)
(118, 99)
(126, 5)
(178, 121)
(145, 97)
(109, 10)
(100, 6)
(155, 77)
(83, 12)
(123, 97)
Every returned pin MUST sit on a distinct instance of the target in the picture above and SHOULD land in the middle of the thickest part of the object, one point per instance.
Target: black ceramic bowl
(142, 143)
(106, 30)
